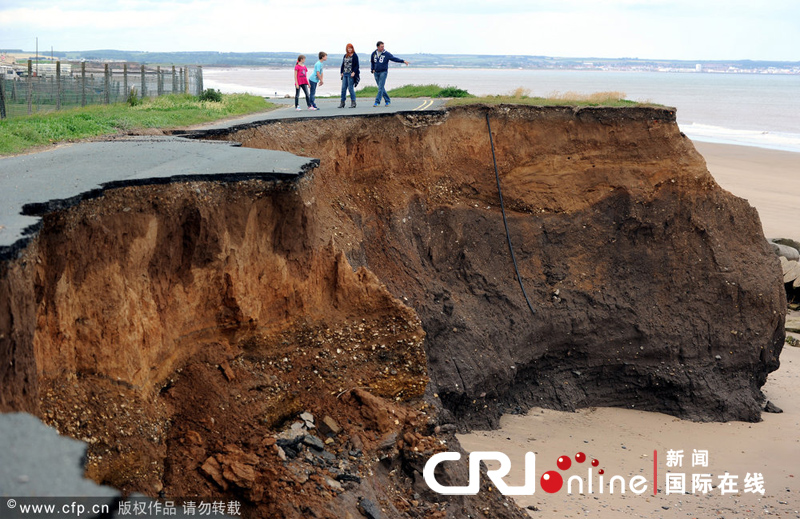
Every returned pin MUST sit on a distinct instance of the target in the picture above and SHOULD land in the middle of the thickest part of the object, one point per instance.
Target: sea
(761, 110)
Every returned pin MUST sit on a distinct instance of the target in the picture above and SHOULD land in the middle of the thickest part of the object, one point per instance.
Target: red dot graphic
(564, 462)
(595, 463)
(551, 482)
(580, 457)
(601, 471)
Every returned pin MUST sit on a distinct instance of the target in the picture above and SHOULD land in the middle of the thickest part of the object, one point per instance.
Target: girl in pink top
(301, 81)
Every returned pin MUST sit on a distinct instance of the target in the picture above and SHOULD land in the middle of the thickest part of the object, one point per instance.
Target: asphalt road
(36, 183)
(330, 108)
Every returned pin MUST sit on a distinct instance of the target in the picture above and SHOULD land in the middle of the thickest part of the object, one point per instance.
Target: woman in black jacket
(350, 75)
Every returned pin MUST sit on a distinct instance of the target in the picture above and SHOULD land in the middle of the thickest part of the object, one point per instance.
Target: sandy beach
(768, 179)
(626, 440)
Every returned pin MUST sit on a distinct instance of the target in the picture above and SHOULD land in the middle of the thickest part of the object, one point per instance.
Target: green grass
(416, 91)
(519, 96)
(19, 134)
(522, 97)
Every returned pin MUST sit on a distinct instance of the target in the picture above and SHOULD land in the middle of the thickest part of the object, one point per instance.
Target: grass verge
(522, 97)
(415, 91)
(19, 134)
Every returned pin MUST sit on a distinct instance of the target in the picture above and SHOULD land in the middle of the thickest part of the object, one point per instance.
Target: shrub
(453, 92)
(209, 94)
(133, 97)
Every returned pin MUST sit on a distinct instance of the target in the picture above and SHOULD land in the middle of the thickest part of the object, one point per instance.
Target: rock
(348, 477)
(193, 437)
(785, 251)
(299, 473)
(213, 469)
(369, 509)
(791, 270)
(227, 370)
(792, 324)
(355, 441)
(334, 484)
(329, 426)
(281, 453)
(788, 242)
(308, 420)
(772, 408)
(313, 441)
(234, 466)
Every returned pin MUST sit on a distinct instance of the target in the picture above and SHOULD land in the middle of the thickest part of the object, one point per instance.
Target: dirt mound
(306, 347)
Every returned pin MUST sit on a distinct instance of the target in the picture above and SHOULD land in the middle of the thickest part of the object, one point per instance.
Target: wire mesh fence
(50, 87)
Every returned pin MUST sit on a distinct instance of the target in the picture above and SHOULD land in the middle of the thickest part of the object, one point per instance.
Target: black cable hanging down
(505, 220)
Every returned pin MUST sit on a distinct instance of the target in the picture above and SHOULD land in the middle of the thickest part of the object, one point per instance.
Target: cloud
(615, 28)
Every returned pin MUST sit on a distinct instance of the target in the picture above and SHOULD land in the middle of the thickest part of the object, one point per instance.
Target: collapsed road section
(198, 333)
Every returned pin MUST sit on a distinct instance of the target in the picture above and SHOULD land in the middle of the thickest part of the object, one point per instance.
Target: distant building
(698, 68)
(7, 72)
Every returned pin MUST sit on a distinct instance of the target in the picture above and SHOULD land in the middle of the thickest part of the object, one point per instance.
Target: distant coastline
(426, 60)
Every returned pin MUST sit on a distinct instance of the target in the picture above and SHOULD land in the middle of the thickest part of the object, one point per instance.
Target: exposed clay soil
(182, 330)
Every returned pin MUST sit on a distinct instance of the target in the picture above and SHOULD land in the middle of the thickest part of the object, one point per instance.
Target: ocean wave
(762, 139)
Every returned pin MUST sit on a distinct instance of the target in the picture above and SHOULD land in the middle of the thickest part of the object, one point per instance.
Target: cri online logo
(551, 481)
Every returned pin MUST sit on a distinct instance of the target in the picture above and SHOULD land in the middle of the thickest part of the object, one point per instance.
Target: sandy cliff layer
(181, 328)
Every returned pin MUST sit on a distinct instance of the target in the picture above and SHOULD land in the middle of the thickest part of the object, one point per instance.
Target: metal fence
(57, 87)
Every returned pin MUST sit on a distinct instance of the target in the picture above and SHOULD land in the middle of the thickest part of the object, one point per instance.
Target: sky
(654, 29)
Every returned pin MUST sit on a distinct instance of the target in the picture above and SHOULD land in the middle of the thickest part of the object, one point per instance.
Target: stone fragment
(212, 469)
(329, 426)
(369, 509)
(308, 418)
(227, 370)
(785, 251)
(334, 484)
(313, 441)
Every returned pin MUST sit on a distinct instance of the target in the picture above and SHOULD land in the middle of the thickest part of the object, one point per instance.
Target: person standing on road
(316, 78)
(350, 74)
(379, 65)
(301, 81)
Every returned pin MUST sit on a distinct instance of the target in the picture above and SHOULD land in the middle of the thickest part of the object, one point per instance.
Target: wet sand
(624, 440)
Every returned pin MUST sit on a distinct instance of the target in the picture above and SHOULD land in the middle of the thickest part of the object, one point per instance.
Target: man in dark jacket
(379, 65)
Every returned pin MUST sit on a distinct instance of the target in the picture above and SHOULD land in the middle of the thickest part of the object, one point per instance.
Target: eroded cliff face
(653, 287)
(180, 327)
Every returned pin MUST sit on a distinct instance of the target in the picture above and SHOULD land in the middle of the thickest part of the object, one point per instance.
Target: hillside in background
(280, 59)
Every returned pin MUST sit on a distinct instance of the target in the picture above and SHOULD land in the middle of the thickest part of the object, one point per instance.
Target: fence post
(58, 85)
(106, 85)
(200, 80)
(125, 80)
(2, 98)
(158, 81)
(83, 83)
(174, 80)
(143, 82)
(30, 87)
(185, 80)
